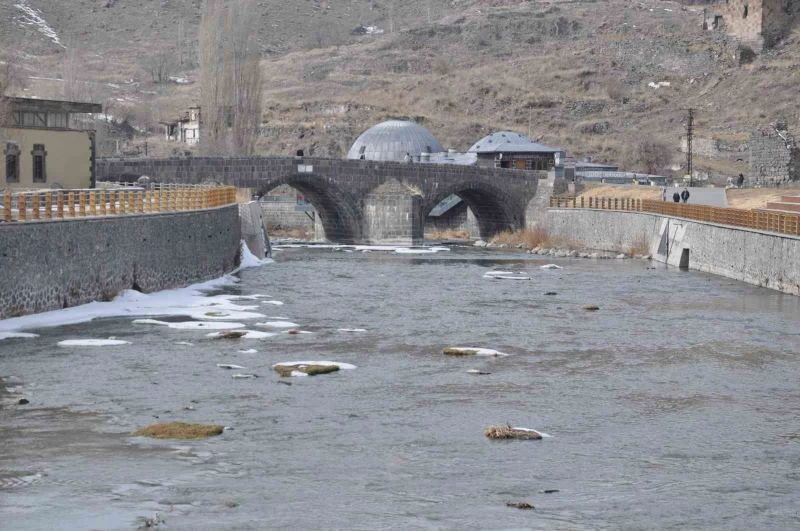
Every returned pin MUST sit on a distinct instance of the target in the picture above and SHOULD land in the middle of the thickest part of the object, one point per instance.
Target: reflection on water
(673, 406)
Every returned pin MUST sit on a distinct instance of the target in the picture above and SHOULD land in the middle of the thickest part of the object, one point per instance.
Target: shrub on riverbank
(529, 239)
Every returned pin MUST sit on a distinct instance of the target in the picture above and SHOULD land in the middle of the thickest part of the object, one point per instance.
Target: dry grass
(749, 198)
(509, 432)
(297, 233)
(451, 234)
(179, 430)
(639, 246)
(529, 239)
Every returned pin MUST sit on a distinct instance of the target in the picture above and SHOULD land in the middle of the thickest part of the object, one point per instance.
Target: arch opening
(310, 208)
(471, 211)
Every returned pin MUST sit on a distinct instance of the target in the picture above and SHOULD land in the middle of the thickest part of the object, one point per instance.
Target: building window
(39, 167)
(12, 162)
(57, 120)
(746, 8)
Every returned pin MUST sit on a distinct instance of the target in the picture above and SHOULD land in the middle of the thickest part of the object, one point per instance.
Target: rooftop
(509, 142)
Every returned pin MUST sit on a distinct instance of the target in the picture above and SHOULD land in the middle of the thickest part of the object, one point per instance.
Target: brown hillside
(574, 74)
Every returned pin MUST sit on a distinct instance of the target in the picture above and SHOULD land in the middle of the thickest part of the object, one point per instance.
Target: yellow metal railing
(780, 222)
(47, 205)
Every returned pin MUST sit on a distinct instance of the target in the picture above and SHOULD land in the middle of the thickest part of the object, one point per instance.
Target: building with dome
(507, 149)
(395, 140)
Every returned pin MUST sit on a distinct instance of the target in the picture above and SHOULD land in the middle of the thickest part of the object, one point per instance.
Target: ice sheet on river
(190, 301)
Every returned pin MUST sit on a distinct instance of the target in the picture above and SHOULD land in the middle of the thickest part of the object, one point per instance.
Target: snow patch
(250, 260)
(33, 17)
(550, 266)
(342, 366)
(352, 330)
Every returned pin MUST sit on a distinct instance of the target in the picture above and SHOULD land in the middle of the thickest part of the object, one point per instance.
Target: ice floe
(229, 366)
(243, 376)
(10, 335)
(248, 351)
(92, 343)
(192, 325)
(473, 351)
(352, 329)
(310, 368)
(550, 266)
(279, 324)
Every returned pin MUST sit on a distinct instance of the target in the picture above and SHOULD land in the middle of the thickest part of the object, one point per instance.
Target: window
(746, 8)
(57, 120)
(39, 168)
(12, 162)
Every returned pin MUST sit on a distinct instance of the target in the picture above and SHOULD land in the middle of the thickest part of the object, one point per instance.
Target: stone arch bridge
(359, 201)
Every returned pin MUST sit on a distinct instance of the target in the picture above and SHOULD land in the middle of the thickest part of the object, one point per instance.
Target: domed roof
(509, 142)
(392, 139)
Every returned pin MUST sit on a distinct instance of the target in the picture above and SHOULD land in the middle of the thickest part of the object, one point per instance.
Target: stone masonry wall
(53, 265)
(773, 158)
(758, 258)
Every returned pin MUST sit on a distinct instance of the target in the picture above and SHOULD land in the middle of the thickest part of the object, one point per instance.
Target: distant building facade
(758, 23)
(42, 148)
(185, 129)
(774, 156)
(507, 149)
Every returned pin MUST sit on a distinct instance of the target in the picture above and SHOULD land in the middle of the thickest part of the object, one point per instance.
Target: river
(674, 406)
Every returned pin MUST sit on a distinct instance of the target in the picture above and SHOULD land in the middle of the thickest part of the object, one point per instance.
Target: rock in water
(510, 432)
(471, 351)
(179, 430)
(591, 308)
(520, 505)
(230, 334)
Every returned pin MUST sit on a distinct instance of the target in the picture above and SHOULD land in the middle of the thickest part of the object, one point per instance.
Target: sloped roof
(509, 142)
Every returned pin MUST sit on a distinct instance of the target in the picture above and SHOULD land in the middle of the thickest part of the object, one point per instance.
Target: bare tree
(160, 66)
(72, 65)
(650, 154)
(10, 80)
(230, 77)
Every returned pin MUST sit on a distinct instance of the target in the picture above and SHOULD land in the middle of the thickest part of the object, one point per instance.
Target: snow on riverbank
(192, 301)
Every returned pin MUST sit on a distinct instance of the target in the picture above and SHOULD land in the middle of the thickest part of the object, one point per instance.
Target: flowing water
(675, 406)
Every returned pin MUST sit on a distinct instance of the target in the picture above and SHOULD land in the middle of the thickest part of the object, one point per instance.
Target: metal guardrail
(56, 205)
(780, 222)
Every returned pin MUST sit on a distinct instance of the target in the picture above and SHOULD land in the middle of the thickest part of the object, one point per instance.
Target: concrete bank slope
(760, 258)
(57, 264)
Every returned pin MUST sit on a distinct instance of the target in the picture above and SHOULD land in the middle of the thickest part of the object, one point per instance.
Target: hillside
(572, 73)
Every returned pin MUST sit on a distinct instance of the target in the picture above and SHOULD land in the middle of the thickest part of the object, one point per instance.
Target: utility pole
(689, 134)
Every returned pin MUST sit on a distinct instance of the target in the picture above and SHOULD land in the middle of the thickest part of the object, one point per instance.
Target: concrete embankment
(760, 258)
(56, 264)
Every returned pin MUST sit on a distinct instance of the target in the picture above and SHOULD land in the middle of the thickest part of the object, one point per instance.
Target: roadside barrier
(56, 205)
(765, 220)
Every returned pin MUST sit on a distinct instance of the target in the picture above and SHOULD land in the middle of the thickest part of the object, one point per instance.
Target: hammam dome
(392, 139)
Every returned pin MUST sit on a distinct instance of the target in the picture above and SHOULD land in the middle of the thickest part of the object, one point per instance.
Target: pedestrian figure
(664, 194)
(676, 197)
(740, 181)
(685, 195)
(407, 158)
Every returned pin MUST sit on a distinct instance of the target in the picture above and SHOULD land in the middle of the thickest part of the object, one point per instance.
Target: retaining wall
(759, 258)
(57, 264)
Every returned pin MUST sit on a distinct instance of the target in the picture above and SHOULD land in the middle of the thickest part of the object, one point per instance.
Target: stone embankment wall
(57, 264)
(759, 258)
(285, 215)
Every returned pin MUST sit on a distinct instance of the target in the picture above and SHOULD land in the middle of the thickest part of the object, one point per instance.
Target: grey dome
(392, 139)
(509, 142)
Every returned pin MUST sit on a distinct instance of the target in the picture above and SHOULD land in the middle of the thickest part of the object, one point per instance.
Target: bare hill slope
(578, 74)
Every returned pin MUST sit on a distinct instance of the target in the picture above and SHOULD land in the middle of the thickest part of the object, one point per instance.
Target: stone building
(774, 156)
(507, 149)
(44, 148)
(757, 23)
(185, 129)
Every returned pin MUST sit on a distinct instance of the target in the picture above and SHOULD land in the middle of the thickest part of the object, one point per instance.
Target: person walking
(664, 194)
(676, 197)
(685, 195)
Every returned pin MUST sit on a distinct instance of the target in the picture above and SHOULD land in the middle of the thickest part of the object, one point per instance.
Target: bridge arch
(494, 209)
(339, 214)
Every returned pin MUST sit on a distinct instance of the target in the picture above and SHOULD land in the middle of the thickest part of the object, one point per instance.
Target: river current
(676, 405)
